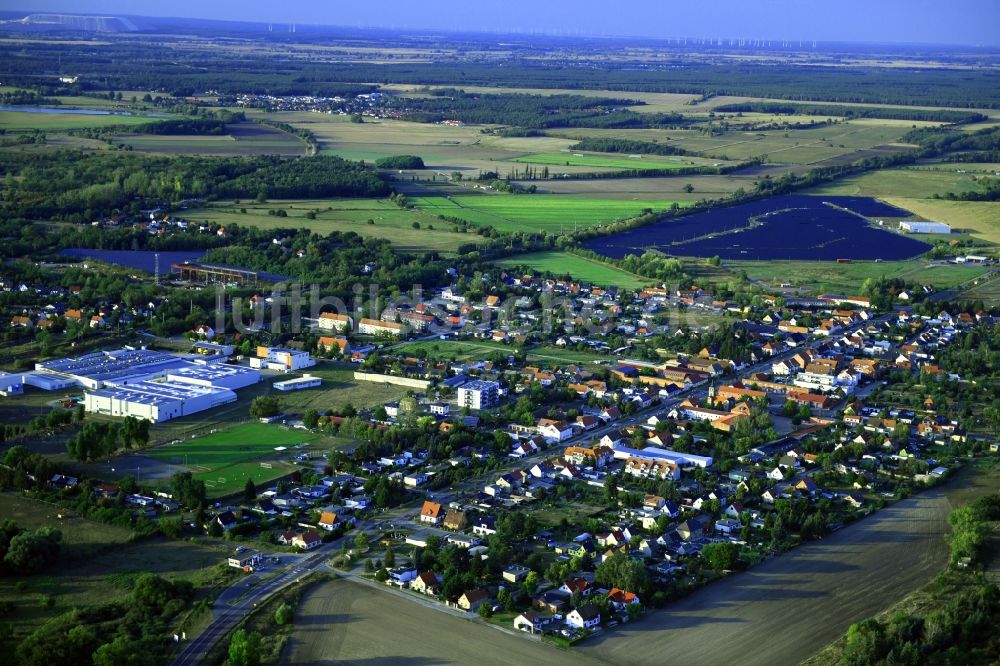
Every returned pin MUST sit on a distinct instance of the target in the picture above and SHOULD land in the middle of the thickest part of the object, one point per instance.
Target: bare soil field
(346, 622)
(790, 607)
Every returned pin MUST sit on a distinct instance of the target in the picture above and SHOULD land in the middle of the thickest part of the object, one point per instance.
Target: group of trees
(23, 552)
(133, 631)
(101, 439)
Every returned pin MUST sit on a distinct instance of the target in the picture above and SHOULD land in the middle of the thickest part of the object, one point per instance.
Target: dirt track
(781, 612)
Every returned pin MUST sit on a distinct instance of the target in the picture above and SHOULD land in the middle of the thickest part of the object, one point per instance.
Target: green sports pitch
(224, 460)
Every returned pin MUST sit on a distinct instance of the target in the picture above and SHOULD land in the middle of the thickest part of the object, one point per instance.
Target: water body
(796, 227)
(143, 260)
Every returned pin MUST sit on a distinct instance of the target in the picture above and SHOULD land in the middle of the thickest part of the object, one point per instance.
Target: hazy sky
(974, 22)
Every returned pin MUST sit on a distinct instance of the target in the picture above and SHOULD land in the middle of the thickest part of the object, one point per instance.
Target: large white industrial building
(145, 384)
(915, 227)
(156, 401)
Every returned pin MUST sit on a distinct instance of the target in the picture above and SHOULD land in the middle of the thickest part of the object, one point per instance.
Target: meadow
(97, 565)
(389, 221)
(580, 268)
(454, 350)
(910, 183)
(829, 277)
(536, 213)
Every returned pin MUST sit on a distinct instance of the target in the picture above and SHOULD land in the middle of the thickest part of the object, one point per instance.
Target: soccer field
(224, 460)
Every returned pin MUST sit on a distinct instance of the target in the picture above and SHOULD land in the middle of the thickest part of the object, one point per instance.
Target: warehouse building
(11, 384)
(914, 227)
(218, 375)
(156, 401)
(113, 368)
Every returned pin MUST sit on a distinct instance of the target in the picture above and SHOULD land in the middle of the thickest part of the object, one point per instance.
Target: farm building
(156, 401)
(914, 227)
(299, 383)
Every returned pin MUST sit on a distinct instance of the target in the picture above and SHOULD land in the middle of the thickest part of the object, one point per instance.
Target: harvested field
(346, 622)
(807, 597)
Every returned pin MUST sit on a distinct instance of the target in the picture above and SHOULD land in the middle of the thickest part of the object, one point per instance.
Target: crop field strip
(551, 213)
(580, 268)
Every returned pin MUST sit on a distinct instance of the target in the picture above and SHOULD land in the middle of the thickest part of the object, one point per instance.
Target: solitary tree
(250, 491)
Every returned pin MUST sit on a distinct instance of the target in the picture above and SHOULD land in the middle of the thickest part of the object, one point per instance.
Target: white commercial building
(915, 227)
(219, 375)
(656, 453)
(114, 368)
(478, 394)
(299, 383)
(280, 358)
(11, 384)
(156, 401)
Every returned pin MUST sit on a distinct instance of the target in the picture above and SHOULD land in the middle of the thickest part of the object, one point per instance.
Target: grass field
(454, 350)
(980, 218)
(580, 268)
(552, 213)
(466, 350)
(339, 389)
(49, 122)
(390, 221)
(347, 622)
(825, 276)
(910, 183)
(608, 161)
(240, 139)
(83, 578)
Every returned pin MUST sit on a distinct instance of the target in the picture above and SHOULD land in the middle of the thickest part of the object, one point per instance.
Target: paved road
(239, 599)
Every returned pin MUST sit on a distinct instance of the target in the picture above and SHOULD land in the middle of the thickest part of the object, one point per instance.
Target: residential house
(585, 617)
(426, 583)
(431, 512)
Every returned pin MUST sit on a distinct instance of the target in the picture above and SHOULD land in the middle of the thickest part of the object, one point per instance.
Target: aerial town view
(564, 333)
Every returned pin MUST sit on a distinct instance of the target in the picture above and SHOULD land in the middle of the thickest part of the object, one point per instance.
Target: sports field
(580, 268)
(387, 220)
(607, 161)
(226, 459)
(541, 213)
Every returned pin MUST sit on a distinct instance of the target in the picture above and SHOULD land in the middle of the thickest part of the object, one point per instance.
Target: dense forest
(75, 186)
(533, 111)
(830, 110)
(631, 147)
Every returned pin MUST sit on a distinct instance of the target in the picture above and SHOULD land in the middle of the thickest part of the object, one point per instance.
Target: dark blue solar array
(143, 260)
(793, 226)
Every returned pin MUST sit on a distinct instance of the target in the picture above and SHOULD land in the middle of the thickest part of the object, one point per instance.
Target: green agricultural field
(13, 121)
(825, 276)
(580, 268)
(551, 213)
(606, 161)
(389, 221)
